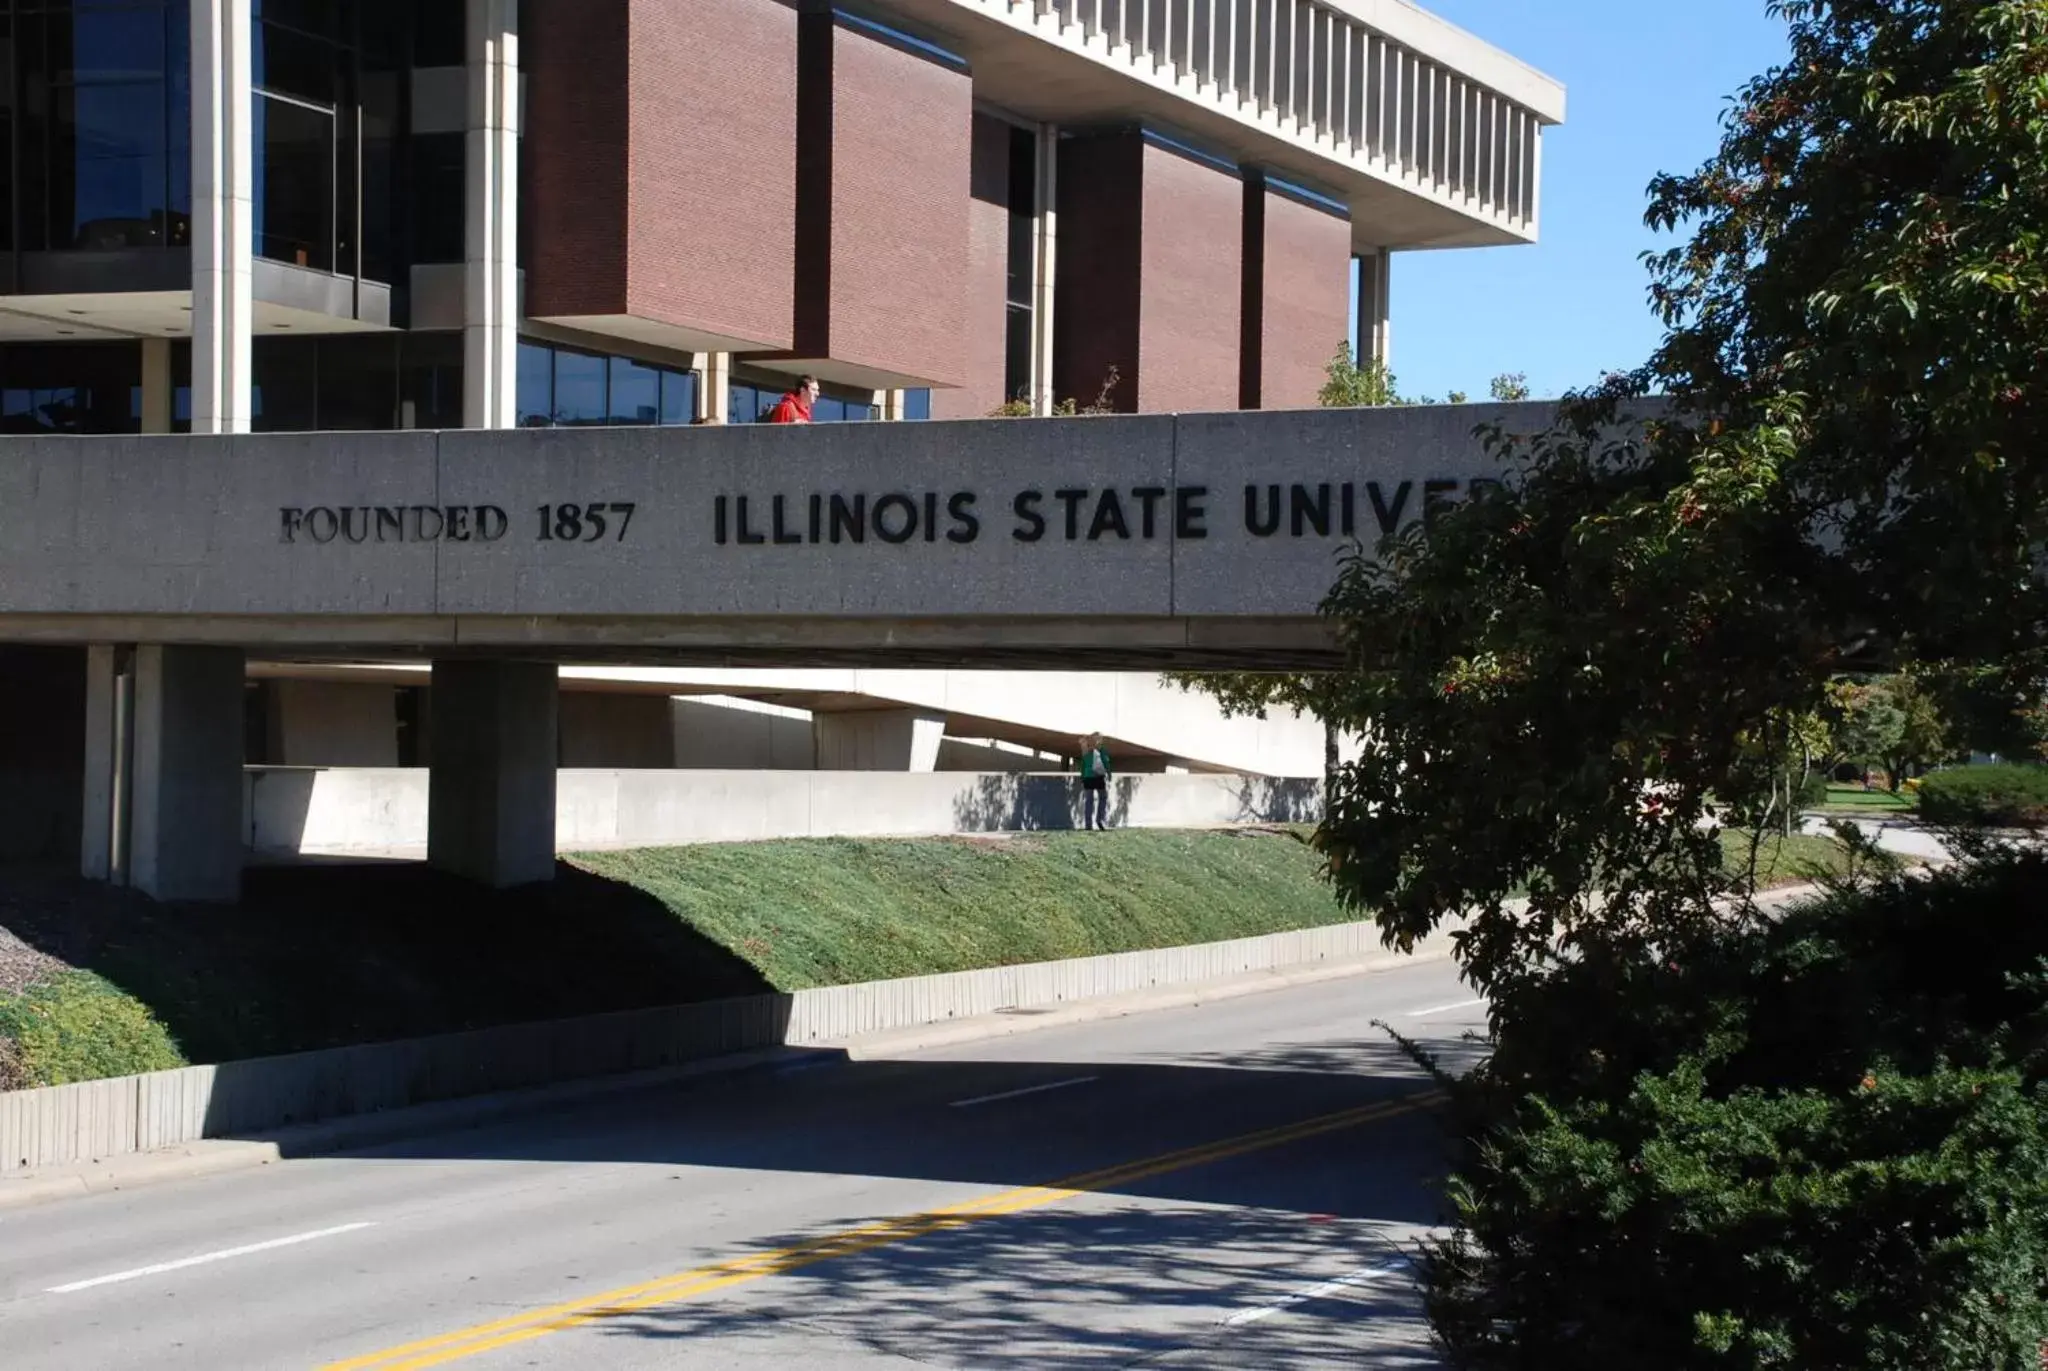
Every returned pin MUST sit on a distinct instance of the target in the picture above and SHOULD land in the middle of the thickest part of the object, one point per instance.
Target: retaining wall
(384, 809)
(72, 1123)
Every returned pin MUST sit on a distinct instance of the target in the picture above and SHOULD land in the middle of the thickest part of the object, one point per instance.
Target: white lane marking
(205, 1257)
(1027, 1090)
(1314, 1292)
(1443, 1009)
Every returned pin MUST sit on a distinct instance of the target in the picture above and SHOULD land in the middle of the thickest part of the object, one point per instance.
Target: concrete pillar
(156, 385)
(714, 398)
(878, 740)
(223, 216)
(490, 332)
(491, 780)
(333, 723)
(42, 770)
(185, 817)
(102, 844)
(1375, 281)
(1044, 268)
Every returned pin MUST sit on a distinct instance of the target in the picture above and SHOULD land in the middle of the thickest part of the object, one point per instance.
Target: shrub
(79, 1027)
(2003, 796)
(1815, 1143)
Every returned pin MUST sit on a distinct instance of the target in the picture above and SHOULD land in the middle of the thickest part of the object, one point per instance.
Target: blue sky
(1645, 82)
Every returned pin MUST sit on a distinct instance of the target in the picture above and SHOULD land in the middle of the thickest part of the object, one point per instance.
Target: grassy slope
(833, 911)
(325, 956)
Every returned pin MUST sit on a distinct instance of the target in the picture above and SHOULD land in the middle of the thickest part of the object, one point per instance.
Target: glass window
(439, 36)
(294, 191)
(579, 388)
(287, 62)
(358, 378)
(825, 410)
(679, 397)
(435, 199)
(430, 381)
(917, 404)
(536, 393)
(636, 392)
(284, 388)
(744, 404)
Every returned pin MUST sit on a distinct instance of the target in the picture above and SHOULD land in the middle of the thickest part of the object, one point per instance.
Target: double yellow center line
(702, 1280)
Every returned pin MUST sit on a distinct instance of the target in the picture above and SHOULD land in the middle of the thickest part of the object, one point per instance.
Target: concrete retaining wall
(71, 1123)
(293, 810)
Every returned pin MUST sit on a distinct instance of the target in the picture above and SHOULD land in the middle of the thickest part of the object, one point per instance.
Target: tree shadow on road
(1108, 1284)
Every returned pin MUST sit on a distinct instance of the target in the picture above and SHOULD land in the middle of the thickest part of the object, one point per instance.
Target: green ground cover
(326, 956)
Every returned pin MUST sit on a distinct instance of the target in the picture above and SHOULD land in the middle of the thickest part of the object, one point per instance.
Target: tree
(1894, 721)
(1350, 383)
(1575, 678)
(1509, 387)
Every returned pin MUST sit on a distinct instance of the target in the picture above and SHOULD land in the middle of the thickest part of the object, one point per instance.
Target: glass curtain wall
(95, 125)
(567, 388)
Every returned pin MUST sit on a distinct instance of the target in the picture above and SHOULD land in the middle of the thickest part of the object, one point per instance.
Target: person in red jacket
(795, 407)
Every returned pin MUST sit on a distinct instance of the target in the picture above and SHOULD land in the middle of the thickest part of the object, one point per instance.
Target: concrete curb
(212, 1157)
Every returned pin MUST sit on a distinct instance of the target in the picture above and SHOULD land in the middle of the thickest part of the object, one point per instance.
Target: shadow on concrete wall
(1279, 799)
(275, 804)
(1033, 803)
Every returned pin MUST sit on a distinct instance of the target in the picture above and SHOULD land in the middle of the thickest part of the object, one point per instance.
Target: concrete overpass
(1150, 542)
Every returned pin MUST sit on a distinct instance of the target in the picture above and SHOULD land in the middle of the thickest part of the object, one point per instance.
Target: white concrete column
(491, 776)
(1044, 267)
(223, 216)
(185, 817)
(156, 385)
(714, 396)
(878, 740)
(490, 297)
(1375, 284)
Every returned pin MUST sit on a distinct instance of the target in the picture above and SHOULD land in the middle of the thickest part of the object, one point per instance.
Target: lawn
(1856, 800)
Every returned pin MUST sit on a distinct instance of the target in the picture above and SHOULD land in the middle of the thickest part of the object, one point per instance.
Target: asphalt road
(1234, 1185)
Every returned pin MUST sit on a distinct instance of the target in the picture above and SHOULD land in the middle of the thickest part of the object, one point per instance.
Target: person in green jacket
(1094, 783)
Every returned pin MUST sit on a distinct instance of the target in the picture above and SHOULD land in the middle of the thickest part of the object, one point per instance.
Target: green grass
(834, 911)
(1857, 800)
(1787, 861)
(328, 956)
(78, 1027)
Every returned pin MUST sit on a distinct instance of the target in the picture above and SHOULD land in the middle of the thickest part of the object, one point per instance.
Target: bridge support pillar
(878, 740)
(491, 787)
(42, 771)
(163, 789)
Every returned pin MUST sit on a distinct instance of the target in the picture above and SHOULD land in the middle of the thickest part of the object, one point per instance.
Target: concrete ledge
(77, 1138)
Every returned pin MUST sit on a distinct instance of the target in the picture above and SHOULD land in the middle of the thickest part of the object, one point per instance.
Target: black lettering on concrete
(1270, 524)
(1348, 509)
(291, 520)
(742, 534)
(1072, 500)
(817, 517)
(390, 523)
(1189, 513)
(419, 524)
(314, 524)
(491, 523)
(850, 518)
(931, 516)
(458, 523)
(966, 524)
(909, 528)
(1389, 516)
(1109, 515)
(718, 521)
(348, 523)
(1148, 498)
(783, 535)
(1026, 508)
(1304, 511)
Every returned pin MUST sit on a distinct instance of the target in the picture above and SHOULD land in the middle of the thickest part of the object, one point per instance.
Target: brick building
(222, 215)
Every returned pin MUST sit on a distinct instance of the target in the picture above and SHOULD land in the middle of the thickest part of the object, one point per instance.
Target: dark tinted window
(635, 393)
(678, 397)
(579, 388)
(536, 386)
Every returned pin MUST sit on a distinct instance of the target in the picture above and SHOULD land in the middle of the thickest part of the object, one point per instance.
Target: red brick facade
(882, 206)
(1148, 278)
(986, 359)
(1296, 297)
(661, 163)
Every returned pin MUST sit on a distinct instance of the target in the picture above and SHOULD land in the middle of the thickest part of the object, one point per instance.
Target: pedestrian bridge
(149, 568)
(1114, 542)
